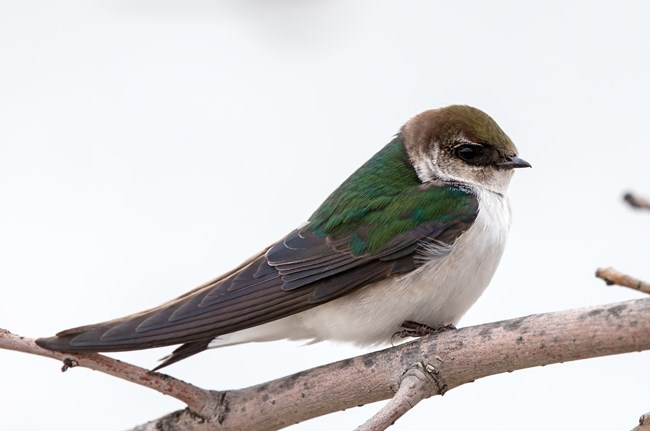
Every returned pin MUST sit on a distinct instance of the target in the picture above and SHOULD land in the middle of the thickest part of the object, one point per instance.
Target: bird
(405, 245)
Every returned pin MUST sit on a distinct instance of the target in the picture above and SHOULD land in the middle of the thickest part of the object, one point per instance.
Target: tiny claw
(415, 329)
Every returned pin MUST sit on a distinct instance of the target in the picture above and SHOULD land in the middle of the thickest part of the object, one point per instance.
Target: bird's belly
(438, 293)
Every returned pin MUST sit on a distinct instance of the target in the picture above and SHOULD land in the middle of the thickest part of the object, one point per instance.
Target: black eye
(469, 152)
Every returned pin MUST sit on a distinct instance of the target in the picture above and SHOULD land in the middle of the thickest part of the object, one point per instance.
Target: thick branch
(459, 356)
(612, 276)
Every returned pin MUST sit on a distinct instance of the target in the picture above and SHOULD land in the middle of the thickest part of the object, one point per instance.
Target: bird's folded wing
(297, 273)
(360, 235)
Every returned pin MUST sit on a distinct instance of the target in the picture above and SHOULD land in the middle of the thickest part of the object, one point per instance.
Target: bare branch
(459, 356)
(636, 201)
(182, 420)
(419, 382)
(196, 398)
(612, 276)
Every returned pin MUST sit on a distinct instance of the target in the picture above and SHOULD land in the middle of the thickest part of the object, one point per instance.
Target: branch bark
(612, 276)
(418, 383)
(458, 357)
(644, 423)
(636, 201)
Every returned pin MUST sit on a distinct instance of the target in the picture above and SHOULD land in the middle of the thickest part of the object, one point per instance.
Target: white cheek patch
(426, 166)
(423, 170)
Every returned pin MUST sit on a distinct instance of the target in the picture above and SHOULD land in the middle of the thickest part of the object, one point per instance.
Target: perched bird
(405, 245)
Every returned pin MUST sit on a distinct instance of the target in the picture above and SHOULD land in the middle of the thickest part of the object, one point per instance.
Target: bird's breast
(439, 292)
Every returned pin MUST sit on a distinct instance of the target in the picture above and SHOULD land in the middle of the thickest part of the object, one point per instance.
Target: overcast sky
(148, 146)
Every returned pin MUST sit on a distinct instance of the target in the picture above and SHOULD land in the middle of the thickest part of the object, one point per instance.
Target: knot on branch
(425, 378)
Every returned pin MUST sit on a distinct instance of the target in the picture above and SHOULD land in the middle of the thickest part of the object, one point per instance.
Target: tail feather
(118, 335)
(184, 351)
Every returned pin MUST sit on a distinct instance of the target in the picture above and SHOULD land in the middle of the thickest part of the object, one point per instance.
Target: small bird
(404, 246)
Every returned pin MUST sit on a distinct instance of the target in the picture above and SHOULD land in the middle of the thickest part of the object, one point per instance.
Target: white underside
(437, 293)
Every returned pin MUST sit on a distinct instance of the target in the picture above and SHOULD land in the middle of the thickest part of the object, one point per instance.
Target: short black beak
(514, 162)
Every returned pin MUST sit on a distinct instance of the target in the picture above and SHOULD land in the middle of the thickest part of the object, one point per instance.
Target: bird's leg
(415, 329)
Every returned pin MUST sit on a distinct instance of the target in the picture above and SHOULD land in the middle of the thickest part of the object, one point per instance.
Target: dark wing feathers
(184, 351)
(256, 294)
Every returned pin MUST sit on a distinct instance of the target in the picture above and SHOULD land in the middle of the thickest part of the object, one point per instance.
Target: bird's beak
(514, 162)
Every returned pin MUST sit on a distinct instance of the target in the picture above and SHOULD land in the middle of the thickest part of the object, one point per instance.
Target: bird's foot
(415, 329)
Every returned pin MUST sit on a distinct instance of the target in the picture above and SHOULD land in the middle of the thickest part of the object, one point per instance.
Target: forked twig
(419, 382)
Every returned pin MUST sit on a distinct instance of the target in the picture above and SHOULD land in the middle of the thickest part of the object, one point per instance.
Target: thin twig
(644, 423)
(419, 382)
(197, 399)
(636, 201)
(612, 276)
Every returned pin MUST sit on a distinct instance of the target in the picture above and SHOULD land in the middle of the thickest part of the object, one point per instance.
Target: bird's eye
(469, 152)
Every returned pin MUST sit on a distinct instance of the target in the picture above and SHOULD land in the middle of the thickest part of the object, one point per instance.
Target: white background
(148, 146)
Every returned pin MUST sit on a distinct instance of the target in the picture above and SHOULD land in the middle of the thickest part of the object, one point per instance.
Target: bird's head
(461, 144)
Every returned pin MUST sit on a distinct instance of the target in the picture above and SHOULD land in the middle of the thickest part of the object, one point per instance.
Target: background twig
(636, 201)
(644, 423)
(612, 276)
